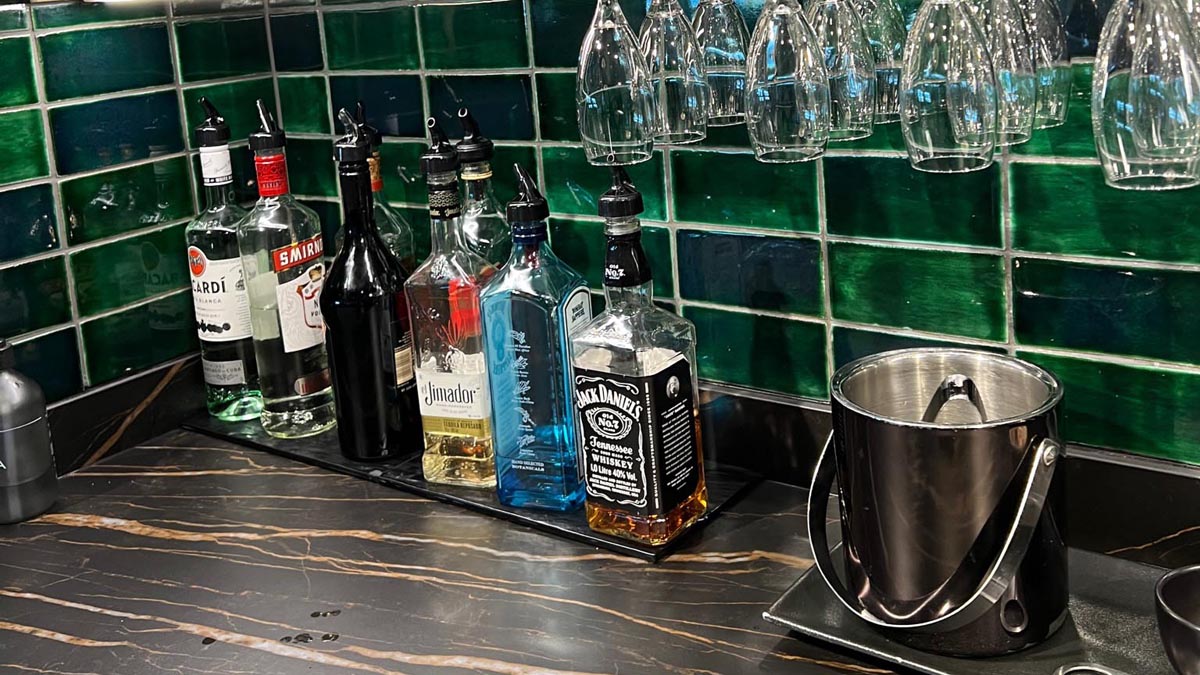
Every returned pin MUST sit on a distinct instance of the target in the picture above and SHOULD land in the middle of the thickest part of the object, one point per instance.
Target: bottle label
(444, 201)
(216, 166)
(454, 403)
(639, 438)
(404, 360)
(625, 262)
(376, 174)
(299, 253)
(272, 175)
(300, 323)
(219, 297)
(25, 453)
(577, 309)
(223, 373)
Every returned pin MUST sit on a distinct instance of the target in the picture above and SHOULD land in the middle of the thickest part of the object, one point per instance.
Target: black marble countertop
(193, 555)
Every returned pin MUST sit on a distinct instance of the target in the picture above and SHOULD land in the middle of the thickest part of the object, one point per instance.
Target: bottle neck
(528, 251)
(376, 172)
(628, 283)
(216, 172)
(357, 202)
(270, 166)
(477, 184)
(445, 209)
(218, 196)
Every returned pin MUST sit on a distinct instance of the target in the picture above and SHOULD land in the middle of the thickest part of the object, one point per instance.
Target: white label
(300, 323)
(223, 373)
(577, 309)
(404, 363)
(219, 296)
(453, 395)
(216, 167)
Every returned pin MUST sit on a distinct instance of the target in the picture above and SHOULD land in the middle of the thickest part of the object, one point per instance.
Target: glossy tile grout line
(826, 283)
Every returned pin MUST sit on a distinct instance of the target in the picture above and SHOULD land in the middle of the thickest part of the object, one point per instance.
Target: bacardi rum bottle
(370, 344)
(636, 400)
(280, 244)
(484, 229)
(222, 307)
(443, 298)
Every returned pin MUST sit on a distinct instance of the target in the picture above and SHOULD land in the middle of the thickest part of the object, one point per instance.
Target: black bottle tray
(726, 484)
(1111, 624)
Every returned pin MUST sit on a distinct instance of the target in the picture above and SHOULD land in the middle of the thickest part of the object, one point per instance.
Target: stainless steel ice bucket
(951, 532)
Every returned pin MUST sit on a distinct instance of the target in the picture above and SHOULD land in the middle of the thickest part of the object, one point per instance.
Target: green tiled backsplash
(787, 271)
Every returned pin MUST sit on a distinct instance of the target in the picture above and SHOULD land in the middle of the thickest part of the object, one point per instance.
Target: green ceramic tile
(16, 62)
(381, 40)
(764, 352)
(751, 270)
(13, 17)
(854, 343)
(503, 104)
(911, 205)
(733, 136)
(33, 296)
(1074, 138)
(573, 185)
(296, 42)
(474, 36)
(883, 137)
(124, 200)
(556, 106)
(504, 181)
(86, 62)
(125, 271)
(53, 361)
(115, 130)
(1068, 209)
(311, 170)
(27, 222)
(401, 168)
(23, 146)
(936, 291)
(580, 243)
(140, 337)
(1143, 410)
(1117, 310)
(73, 13)
(726, 188)
(305, 104)
(222, 48)
(198, 7)
(559, 27)
(236, 103)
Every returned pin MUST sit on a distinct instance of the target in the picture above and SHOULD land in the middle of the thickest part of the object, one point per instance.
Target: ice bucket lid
(943, 388)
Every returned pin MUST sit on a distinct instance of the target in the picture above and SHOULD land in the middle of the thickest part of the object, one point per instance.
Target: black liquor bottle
(366, 316)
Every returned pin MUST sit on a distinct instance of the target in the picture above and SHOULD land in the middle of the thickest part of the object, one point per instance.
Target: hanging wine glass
(614, 100)
(1008, 42)
(1144, 97)
(849, 65)
(947, 91)
(1051, 62)
(722, 36)
(884, 27)
(787, 89)
(677, 75)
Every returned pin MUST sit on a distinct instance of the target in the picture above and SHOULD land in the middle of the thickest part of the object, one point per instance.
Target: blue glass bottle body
(529, 312)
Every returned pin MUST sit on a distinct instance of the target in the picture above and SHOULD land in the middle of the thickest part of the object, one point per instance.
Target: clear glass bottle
(529, 311)
(443, 300)
(615, 104)
(787, 88)
(636, 396)
(219, 298)
(948, 105)
(281, 248)
(1052, 61)
(368, 336)
(483, 229)
(677, 74)
(723, 39)
(395, 229)
(885, 30)
(850, 65)
(1006, 34)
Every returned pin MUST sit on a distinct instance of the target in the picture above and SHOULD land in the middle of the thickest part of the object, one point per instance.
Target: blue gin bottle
(529, 311)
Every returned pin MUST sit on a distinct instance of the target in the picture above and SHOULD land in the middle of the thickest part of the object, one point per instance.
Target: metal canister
(951, 524)
(28, 480)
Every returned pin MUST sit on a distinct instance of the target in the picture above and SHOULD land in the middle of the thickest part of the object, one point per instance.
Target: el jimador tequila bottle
(636, 400)
(484, 230)
(529, 310)
(281, 248)
(219, 297)
(443, 299)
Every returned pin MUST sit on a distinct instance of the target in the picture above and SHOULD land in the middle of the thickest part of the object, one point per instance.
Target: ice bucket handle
(1036, 479)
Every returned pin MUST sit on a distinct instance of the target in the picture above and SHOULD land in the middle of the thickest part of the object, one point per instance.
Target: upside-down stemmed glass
(1007, 39)
(787, 89)
(849, 65)
(723, 39)
(947, 91)
(1051, 61)
(677, 76)
(614, 101)
(885, 30)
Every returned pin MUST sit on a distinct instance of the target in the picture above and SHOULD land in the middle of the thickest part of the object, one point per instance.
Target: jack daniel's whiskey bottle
(636, 401)
(219, 297)
(281, 248)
